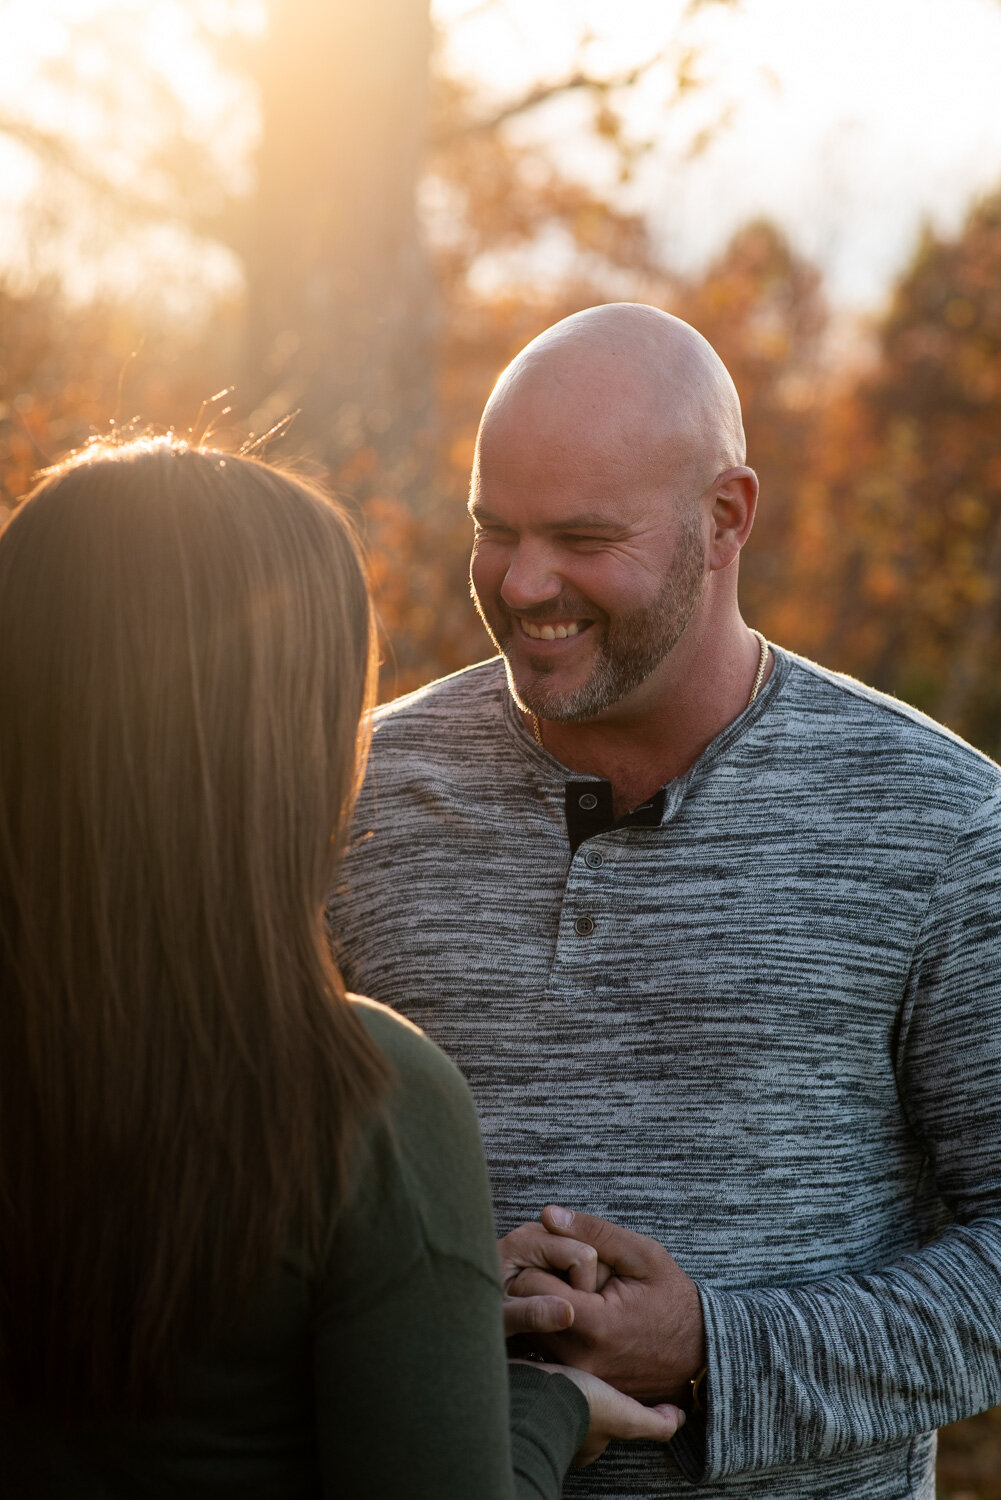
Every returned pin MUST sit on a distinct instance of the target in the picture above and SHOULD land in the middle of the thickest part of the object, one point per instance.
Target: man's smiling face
(585, 572)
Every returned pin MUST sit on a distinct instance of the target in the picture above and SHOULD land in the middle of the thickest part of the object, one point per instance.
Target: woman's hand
(614, 1415)
(531, 1247)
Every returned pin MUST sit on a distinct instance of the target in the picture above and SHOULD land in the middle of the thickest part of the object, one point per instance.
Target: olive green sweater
(384, 1378)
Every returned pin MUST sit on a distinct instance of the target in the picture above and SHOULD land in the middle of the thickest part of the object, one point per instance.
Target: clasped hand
(583, 1292)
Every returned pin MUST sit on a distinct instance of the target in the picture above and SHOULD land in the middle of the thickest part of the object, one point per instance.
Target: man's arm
(806, 1372)
(795, 1373)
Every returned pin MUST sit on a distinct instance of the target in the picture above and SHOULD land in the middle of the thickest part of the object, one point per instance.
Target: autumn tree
(762, 308)
(938, 400)
(907, 491)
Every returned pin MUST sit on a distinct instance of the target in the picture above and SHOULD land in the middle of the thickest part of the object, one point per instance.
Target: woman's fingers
(614, 1415)
(536, 1315)
(532, 1283)
(530, 1246)
(655, 1423)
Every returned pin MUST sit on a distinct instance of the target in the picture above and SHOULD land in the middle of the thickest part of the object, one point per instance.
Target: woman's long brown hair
(185, 653)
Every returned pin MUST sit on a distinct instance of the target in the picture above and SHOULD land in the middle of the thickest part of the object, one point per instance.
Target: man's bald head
(630, 379)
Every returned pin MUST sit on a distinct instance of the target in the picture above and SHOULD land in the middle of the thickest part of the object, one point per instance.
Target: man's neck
(639, 745)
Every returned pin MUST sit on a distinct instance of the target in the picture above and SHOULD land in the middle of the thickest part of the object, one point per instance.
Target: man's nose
(531, 579)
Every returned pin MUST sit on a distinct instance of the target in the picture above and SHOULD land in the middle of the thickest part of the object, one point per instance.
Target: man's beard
(629, 648)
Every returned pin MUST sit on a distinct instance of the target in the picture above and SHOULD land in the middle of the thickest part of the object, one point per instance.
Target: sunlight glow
(109, 81)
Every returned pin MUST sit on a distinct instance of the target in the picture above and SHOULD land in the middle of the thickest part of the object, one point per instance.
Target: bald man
(714, 935)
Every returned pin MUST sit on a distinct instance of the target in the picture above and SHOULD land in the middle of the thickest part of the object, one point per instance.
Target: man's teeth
(550, 632)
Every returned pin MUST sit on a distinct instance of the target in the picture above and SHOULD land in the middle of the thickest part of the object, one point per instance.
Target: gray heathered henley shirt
(774, 1046)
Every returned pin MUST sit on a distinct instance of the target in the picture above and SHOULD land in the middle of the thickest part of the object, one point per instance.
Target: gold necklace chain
(759, 675)
(759, 678)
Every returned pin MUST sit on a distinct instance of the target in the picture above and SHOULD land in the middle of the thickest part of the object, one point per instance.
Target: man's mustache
(559, 609)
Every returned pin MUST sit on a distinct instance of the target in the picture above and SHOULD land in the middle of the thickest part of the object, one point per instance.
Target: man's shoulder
(831, 706)
(429, 718)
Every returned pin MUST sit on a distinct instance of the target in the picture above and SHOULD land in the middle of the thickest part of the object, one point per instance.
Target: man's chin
(542, 688)
(529, 694)
(566, 707)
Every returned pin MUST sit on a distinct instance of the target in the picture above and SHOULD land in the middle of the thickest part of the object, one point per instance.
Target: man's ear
(735, 498)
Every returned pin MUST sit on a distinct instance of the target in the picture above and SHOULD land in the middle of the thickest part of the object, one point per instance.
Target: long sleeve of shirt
(850, 1362)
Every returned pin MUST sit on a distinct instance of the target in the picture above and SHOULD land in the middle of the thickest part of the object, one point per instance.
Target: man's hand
(532, 1247)
(642, 1331)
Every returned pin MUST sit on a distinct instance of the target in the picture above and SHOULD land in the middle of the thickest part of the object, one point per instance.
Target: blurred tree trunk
(339, 315)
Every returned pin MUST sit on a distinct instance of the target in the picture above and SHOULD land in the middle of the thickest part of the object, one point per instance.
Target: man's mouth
(552, 630)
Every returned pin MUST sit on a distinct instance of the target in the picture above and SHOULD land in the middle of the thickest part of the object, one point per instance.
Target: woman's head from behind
(185, 651)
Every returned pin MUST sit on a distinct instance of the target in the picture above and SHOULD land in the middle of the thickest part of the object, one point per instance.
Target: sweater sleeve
(806, 1372)
(411, 1376)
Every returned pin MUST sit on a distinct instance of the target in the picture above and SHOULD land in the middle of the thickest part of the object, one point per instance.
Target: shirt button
(587, 801)
(593, 859)
(583, 926)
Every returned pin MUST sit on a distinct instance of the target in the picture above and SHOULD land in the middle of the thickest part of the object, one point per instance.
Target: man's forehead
(610, 443)
(592, 470)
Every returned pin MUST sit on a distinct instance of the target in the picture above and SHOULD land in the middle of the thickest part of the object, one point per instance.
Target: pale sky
(851, 122)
